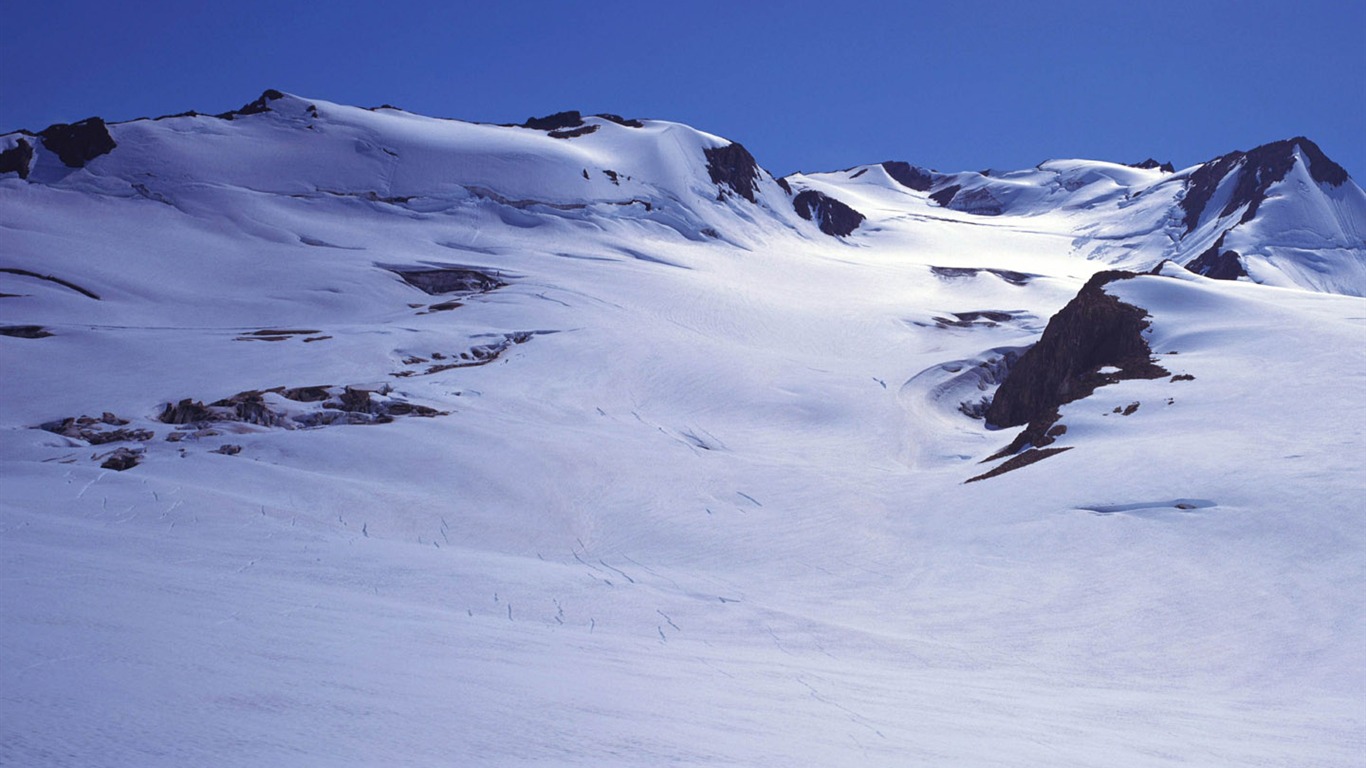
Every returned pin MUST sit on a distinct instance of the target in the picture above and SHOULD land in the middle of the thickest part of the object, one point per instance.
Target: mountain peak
(1257, 170)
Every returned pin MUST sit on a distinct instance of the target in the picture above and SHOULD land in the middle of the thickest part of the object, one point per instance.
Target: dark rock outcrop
(909, 176)
(17, 159)
(78, 143)
(1150, 164)
(257, 107)
(733, 167)
(1012, 277)
(556, 122)
(832, 216)
(1030, 456)
(978, 201)
(1218, 263)
(1257, 170)
(946, 195)
(573, 133)
(442, 280)
(122, 459)
(97, 431)
(1094, 330)
(187, 411)
(619, 120)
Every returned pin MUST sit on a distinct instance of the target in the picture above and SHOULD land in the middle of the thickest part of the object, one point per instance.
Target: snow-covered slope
(426, 442)
(1281, 214)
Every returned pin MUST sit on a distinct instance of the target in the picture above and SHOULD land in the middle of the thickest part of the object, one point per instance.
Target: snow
(717, 517)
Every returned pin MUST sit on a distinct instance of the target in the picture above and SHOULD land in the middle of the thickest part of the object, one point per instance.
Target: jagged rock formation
(1218, 263)
(832, 216)
(733, 167)
(78, 143)
(17, 159)
(556, 122)
(259, 106)
(909, 176)
(1094, 330)
(1150, 164)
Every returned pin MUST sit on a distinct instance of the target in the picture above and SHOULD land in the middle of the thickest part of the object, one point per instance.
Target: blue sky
(804, 85)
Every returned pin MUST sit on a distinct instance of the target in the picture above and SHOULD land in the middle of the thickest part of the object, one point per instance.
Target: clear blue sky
(804, 85)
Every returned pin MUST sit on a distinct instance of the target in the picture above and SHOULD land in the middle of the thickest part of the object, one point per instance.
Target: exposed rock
(987, 317)
(1012, 277)
(910, 176)
(227, 449)
(17, 159)
(121, 459)
(78, 143)
(250, 407)
(619, 120)
(1150, 164)
(733, 167)
(441, 280)
(25, 331)
(1023, 460)
(1257, 171)
(355, 401)
(1094, 330)
(556, 122)
(481, 354)
(832, 216)
(946, 195)
(978, 201)
(785, 186)
(261, 105)
(93, 431)
(573, 133)
(187, 411)
(1218, 263)
(306, 394)
(1183, 377)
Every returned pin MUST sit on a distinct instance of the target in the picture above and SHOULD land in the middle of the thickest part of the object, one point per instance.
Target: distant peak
(1257, 170)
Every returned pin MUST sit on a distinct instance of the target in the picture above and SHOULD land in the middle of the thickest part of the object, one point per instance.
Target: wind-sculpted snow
(350, 437)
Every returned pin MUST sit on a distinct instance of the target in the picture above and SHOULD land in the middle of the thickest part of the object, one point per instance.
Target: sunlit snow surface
(718, 517)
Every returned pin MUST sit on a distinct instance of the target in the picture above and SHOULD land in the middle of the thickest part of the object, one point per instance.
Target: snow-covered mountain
(1281, 214)
(342, 436)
